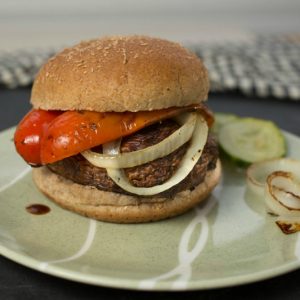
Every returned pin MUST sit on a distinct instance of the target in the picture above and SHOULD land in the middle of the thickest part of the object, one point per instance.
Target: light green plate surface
(228, 241)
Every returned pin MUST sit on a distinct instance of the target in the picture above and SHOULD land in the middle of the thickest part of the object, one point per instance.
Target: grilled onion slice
(282, 194)
(257, 173)
(188, 162)
(278, 182)
(112, 159)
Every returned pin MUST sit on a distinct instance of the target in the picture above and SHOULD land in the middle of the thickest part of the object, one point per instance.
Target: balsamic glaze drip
(38, 209)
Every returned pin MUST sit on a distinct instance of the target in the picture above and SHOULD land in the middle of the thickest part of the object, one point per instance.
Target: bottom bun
(118, 208)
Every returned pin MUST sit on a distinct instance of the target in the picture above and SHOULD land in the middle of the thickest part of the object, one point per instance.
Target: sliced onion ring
(282, 198)
(188, 162)
(257, 173)
(282, 194)
(114, 160)
(278, 181)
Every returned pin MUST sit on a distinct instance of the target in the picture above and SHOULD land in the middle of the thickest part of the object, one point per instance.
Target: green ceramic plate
(227, 241)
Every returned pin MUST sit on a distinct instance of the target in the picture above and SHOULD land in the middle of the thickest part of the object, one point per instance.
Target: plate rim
(133, 284)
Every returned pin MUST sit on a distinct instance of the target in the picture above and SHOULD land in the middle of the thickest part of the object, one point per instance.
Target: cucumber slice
(249, 140)
(220, 120)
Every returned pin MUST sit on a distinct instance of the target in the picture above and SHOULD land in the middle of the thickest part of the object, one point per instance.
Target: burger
(119, 132)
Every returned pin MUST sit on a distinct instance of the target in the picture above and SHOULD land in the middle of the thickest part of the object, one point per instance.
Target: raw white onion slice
(257, 173)
(188, 162)
(111, 158)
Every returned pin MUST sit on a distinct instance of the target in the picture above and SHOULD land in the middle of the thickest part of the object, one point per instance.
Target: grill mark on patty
(79, 170)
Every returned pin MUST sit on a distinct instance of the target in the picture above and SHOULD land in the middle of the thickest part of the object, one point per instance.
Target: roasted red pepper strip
(28, 134)
(47, 136)
(76, 131)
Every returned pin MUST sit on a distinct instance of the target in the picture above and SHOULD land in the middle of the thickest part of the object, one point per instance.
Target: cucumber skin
(236, 161)
(242, 163)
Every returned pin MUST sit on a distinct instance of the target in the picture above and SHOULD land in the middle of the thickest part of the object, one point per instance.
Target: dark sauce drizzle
(38, 209)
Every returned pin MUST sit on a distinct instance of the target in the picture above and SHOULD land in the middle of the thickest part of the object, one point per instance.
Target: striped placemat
(266, 66)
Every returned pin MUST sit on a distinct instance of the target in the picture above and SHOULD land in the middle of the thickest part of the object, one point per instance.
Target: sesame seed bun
(121, 74)
(118, 208)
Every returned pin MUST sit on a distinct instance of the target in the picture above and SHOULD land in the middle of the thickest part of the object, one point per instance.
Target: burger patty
(79, 170)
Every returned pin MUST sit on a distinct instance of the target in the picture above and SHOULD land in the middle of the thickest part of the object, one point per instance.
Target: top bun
(121, 74)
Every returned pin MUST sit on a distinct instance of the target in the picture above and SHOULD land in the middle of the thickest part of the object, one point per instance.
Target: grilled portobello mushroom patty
(79, 170)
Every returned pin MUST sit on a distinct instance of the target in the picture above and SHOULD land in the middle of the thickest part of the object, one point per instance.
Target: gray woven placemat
(267, 66)
(18, 68)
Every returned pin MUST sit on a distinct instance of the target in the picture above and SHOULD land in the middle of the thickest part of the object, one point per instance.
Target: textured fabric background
(267, 66)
